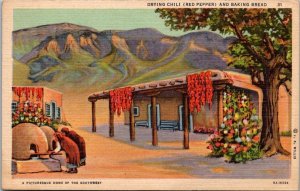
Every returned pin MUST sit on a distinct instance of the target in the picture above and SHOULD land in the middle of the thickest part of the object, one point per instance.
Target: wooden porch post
(131, 123)
(93, 116)
(185, 122)
(111, 120)
(220, 107)
(153, 121)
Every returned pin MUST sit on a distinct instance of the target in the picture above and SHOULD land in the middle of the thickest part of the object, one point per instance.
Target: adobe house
(172, 105)
(48, 99)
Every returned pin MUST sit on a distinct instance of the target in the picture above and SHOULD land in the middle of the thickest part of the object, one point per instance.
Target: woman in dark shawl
(72, 152)
(79, 141)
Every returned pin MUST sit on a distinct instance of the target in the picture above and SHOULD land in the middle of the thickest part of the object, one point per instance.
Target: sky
(100, 19)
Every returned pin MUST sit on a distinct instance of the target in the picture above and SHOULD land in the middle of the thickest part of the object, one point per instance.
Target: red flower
(245, 149)
(218, 144)
(210, 147)
(256, 139)
(217, 133)
(229, 122)
(238, 149)
(224, 150)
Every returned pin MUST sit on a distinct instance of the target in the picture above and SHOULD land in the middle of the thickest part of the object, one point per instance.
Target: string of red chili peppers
(200, 90)
(120, 99)
(28, 92)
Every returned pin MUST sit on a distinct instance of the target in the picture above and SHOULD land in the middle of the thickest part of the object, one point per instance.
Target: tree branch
(283, 82)
(256, 77)
(269, 45)
(247, 45)
(289, 90)
(276, 13)
(279, 60)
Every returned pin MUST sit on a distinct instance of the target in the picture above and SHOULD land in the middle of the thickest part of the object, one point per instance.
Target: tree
(263, 49)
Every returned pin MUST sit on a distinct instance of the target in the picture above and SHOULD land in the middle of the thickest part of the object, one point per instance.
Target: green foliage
(263, 35)
(55, 123)
(286, 133)
(238, 136)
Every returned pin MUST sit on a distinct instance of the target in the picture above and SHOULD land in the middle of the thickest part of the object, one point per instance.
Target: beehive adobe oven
(49, 132)
(28, 139)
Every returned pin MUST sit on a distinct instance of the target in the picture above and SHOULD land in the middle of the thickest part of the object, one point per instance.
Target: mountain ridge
(66, 51)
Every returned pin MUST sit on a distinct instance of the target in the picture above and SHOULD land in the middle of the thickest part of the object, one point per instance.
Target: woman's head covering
(65, 130)
(58, 135)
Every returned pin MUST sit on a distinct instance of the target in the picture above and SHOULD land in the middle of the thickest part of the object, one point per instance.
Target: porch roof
(218, 78)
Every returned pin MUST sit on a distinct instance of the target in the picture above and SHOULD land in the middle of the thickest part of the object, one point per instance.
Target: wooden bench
(141, 124)
(167, 124)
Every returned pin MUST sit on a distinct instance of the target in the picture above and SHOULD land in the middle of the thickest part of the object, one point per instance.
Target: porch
(168, 139)
(153, 92)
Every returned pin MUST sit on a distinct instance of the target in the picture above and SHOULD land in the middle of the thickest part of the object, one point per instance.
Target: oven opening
(34, 148)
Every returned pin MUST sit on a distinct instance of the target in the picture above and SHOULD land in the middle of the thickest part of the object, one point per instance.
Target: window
(14, 106)
(53, 112)
(47, 109)
(136, 111)
(58, 113)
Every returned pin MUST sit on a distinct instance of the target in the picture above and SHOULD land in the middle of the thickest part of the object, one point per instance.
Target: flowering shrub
(238, 136)
(204, 130)
(30, 113)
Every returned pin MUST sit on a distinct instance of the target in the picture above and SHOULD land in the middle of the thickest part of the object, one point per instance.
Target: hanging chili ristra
(28, 92)
(39, 93)
(17, 91)
(209, 88)
(120, 99)
(200, 90)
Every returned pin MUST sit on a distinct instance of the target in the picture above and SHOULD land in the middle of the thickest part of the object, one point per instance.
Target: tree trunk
(270, 137)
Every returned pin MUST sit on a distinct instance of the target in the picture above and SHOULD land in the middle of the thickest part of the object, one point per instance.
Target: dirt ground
(112, 158)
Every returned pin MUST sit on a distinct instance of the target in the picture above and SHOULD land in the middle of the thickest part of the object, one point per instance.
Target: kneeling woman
(72, 152)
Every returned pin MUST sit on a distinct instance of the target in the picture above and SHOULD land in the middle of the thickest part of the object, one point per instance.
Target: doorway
(191, 125)
(157, 115)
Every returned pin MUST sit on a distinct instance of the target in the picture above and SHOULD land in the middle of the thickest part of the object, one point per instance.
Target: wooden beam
(160, 89)
(220, 107)
(131, 123)
(142, 89)
(111, 120)
(186, 118)
(154, 121)
(183, 91)
(93, 116)
(151, 94)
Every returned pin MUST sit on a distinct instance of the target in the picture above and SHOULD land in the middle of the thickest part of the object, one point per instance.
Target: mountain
(69, 56)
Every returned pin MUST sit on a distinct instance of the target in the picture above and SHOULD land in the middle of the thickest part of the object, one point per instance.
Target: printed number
(279, 4)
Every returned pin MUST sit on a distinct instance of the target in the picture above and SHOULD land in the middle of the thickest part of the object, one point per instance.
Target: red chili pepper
(200, 90)
(121, 99)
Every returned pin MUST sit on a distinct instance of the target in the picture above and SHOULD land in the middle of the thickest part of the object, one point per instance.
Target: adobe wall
(284, 111)
(168, 102)
(207, 117)
(52, 95)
